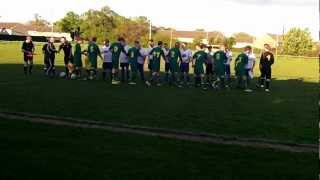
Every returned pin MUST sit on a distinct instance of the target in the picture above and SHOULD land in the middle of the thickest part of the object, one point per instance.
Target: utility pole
(171, 36)
(150, 30)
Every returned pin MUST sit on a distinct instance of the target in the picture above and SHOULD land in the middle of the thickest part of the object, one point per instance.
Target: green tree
(197, 40)
(70, 22)
(297, 42)
(243, 37)
(230, 42)
(100, 23)
(216, 38)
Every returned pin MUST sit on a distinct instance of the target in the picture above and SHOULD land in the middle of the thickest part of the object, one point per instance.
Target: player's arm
(271, 59)
(193, 59)
(163, 55)
(60, 47)
(180, 56)
(23, 48)
(99, 52)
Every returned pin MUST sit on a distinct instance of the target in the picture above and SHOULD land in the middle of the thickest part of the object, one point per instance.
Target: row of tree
(106, 23)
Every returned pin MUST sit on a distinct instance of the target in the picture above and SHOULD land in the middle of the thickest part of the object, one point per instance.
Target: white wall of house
(50, 34)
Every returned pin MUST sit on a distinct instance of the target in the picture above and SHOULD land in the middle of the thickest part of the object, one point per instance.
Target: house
(20, 29)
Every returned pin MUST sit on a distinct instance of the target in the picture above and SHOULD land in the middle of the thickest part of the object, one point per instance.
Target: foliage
(243, 37)
(217, 38)
(70, 22)
(297, 42)
(230, 42)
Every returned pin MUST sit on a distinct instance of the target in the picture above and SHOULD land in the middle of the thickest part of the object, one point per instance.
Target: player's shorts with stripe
(27, 57)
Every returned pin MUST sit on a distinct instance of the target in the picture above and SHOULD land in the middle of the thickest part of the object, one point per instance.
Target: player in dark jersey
(50, 51)
(68, 56)
(266, 61)
(157, 53)
(28, 52)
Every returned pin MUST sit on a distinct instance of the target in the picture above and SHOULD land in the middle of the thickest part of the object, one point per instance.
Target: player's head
(184, 45)
(209, 48)
(79, 40)
(121, 40)
(177, 45)
(248, 49)
(267, 47)
(202, 46)
(137, 44)
(106, 42)
(63, 40)
(28, 39)
(151, 43)
(165, 45)
(226, 47)
(160, 43)
(93, 39)
(51, 40)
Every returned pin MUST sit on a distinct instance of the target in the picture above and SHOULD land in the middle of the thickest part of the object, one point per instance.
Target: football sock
(25, 69)
(30, 69)
(268, 84)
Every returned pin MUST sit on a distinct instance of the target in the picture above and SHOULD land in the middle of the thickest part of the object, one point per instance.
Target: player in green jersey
(93, 53)
(78, 58)
(220, 58)
(133, 55)
(174, 60)
(199, 59)
(157, 53)
(116, 50)
(240, 69)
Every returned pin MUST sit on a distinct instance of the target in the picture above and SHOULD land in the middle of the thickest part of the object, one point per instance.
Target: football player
(266, 61)
(157, 53)
(199, 59)
(28, 52)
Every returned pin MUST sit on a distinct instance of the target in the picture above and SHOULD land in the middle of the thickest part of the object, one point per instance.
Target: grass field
(288, 113)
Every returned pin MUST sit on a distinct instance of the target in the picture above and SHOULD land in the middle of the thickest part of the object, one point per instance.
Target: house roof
(19, 28)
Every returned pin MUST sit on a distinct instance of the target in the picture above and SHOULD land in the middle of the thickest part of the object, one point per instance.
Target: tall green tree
(297, 42)
(230, 42)
(216, 38)
(70, 22)
(243, 37)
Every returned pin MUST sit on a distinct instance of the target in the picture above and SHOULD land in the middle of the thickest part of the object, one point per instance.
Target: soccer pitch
(288, 113)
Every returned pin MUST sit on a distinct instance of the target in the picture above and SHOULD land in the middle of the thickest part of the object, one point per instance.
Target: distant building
(20, 29)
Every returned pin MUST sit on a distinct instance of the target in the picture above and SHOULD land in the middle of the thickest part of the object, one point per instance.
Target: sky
(256, 17)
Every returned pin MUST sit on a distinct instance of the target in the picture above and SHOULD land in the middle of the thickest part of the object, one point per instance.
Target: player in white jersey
(124, 63)
(141, 59)
(249, 67)
(151, 46)
(107, 60)
(186, 55)
(227, 64)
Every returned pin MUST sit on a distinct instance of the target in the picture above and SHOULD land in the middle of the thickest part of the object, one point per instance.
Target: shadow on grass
(287, 113)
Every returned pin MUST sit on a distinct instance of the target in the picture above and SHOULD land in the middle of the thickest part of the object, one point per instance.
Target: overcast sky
(253, 16)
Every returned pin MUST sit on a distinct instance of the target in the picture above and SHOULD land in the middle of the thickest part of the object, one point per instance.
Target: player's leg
(228, 75)
(268, 79)
(25, 65)
(262, 78)
(167, 71)
(66, 61)
(141, 71)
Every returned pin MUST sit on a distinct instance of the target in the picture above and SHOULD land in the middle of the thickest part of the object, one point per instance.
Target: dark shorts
(107, 65)
(27, 58)
(124, 65)
(167, 67)
(184, 67)
(209, 69)
(266, 72)
(68, 60)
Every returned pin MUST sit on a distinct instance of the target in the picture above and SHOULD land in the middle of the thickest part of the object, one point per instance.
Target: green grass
(287, 114)
(34, 151)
